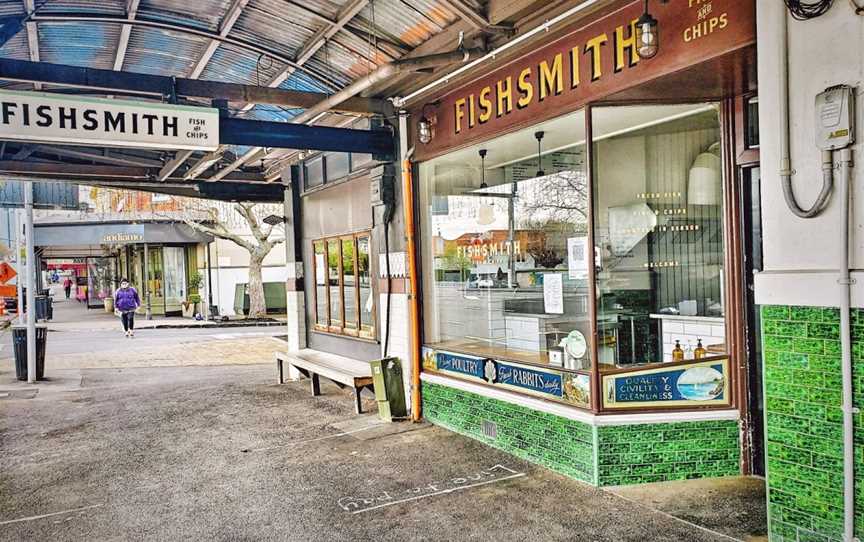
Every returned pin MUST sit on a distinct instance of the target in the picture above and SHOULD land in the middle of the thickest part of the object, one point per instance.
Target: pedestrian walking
(67, 286)
(126, 301)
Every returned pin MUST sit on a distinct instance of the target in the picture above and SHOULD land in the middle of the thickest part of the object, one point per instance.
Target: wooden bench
(344, 372)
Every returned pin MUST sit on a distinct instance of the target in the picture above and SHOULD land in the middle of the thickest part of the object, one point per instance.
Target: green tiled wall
(608, 455)
(804, 432)
(563, 445)
(635, 454)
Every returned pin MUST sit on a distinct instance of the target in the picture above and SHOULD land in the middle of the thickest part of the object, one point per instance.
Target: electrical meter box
(835, 118)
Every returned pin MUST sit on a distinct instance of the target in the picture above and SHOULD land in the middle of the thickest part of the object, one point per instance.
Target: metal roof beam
(164, 87)
(478, 21)
(307, 51)
(173, 164)
(32, 37)
(317, 41)
(287, 135)
(125, 31)
(107, 158)
(231, 17)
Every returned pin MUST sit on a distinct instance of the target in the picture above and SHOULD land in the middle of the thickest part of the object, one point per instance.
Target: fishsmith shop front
(581, 243)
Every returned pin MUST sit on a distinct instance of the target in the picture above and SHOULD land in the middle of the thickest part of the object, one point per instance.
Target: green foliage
(196, 279)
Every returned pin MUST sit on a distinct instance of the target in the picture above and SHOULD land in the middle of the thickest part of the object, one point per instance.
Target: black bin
(19, 342)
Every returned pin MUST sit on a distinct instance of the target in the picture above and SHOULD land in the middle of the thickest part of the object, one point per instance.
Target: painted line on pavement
(41, 516)
(442, 492)
(299, 442)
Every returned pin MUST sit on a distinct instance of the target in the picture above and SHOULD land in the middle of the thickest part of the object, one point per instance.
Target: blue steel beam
(11, 25)
(304, 137)
(169, 87)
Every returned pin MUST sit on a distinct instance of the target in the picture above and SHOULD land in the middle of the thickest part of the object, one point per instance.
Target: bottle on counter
(678, 352)
(699, 353)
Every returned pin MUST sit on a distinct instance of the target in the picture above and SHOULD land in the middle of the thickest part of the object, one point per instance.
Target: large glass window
(344, 301)
(659, 233)
(506, 254)
(516, 295)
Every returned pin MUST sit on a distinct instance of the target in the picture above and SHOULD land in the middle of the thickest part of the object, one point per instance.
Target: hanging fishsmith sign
(35, 116)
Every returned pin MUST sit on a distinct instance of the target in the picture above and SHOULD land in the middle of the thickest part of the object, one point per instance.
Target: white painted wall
(801, 255)
(230, 266)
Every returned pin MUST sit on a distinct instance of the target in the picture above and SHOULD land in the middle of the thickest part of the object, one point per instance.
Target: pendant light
(539, 137)
(483, 169)
(647, 34)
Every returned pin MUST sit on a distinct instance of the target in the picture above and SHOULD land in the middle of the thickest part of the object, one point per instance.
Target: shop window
(313, 172)
(601, 290)
(507, 296)
(658, 229)
(343, 289)
(338, 166)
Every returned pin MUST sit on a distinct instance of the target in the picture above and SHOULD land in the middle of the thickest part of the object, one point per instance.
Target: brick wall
(625, 454)
(801, 355)
(638, 454)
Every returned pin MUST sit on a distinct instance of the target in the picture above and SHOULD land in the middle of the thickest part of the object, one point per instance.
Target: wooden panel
(591, 62)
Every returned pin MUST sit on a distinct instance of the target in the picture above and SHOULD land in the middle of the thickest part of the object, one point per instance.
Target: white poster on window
(320, 270)
(577, 257)
(553, 293)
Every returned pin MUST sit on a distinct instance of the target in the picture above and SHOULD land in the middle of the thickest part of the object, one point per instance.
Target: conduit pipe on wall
(382, 73)
(785, 155)
(845, 280)
(413, 272)
(846, 347)
(545, 27)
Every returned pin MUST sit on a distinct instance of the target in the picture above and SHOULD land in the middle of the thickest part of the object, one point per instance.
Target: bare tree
(259, 244)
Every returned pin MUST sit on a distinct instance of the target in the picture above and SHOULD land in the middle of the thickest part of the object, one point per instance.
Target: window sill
(346, 336)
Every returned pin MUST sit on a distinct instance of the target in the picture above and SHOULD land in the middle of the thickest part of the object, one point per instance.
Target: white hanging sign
(36, 116)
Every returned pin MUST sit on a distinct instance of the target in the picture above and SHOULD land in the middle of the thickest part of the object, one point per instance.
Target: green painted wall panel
(608, 455)
(804, 433)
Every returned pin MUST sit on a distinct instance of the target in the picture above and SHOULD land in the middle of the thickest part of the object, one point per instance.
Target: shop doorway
(752, 228)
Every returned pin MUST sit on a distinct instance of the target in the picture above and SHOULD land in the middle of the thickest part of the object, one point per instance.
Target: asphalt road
(80, 341)
(223, 453)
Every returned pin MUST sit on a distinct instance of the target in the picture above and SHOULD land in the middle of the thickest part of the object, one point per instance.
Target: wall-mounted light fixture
(647, 34)
(424, 125)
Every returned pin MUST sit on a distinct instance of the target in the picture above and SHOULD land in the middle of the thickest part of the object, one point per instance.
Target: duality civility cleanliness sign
(40, 117)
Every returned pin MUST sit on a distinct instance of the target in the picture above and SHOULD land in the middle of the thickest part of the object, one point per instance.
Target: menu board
(701, 383)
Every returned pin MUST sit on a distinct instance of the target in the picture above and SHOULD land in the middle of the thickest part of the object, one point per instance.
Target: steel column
(30, 272)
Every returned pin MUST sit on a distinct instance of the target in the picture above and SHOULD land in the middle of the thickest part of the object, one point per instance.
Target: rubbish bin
(19, 342)
(389, 391)
(41, 307)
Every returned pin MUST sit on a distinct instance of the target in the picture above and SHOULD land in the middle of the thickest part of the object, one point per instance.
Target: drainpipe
(410, 247)
(845, 280)
(382, 73)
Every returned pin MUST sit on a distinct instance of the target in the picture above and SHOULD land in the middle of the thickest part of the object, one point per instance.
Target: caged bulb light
(647, 34)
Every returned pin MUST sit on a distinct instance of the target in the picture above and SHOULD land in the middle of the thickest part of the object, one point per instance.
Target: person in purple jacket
(126, 301)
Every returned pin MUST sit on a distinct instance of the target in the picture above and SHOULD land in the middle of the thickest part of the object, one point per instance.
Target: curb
(218, 325)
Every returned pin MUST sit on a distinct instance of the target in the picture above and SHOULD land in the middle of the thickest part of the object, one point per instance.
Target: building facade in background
(145, 237)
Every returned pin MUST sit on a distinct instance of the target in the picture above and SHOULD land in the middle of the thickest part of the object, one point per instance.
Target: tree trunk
(257, 306)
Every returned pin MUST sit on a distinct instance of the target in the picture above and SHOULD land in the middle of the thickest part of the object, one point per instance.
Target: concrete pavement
(223, 453)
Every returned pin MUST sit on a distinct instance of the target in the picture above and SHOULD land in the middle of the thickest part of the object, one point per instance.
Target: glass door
(155, 280)
(175, 278)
